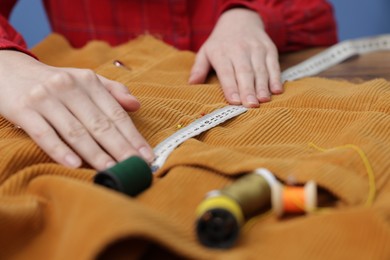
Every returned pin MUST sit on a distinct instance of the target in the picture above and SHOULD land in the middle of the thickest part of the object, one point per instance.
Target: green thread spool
(221, 215)
(131, 176)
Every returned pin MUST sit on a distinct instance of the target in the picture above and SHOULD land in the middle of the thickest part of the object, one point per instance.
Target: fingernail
(132, 97)
(146, 153)
(252, 100)
(235, 98)
(192, 77)
(265, 99)
(277, 88)
(72, 160)
(109, 164)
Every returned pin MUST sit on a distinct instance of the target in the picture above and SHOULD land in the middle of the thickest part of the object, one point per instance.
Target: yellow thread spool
(219, 221)
(222, 213)
(222, 202)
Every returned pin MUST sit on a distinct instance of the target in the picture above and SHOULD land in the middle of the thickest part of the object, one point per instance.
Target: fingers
(121, 94)
(200, 69)
(73, 133)
(245, 76)
(121, 119)
(108, 123)
(244, 58)
(248, 75)
(275, 84)
(46, 137)
(261, 71)
(91, 123)
(225, 72)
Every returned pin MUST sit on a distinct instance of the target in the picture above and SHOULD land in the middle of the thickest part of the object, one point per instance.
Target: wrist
(241, 16)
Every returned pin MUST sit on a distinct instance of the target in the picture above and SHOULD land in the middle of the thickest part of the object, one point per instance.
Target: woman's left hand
(244, 58)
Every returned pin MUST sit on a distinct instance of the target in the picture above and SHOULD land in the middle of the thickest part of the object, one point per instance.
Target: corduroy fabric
(48, 211)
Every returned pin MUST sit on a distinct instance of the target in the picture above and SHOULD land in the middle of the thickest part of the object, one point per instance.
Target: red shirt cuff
(9, 45)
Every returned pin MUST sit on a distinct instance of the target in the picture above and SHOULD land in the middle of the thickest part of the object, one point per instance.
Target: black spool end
(217, 228)
(131, 176)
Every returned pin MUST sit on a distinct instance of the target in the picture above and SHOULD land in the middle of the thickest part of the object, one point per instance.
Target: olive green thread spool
(131, 176)
(223, 212)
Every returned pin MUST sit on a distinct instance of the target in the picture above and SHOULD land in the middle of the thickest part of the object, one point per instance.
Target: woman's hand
(244, 58)
(72, 114)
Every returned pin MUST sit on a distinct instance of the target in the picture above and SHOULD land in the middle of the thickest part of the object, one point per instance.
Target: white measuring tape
(320, 62)
(336, 54)
(163, 149)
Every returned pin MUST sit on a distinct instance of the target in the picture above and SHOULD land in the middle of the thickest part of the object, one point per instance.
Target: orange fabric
(50, 212)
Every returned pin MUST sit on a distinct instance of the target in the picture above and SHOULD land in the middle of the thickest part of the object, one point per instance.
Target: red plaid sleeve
(293, 24)
(9, 37)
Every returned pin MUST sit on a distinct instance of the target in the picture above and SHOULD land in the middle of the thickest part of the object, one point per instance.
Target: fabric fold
(48, 211)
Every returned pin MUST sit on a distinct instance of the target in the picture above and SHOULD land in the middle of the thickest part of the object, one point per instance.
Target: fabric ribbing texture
(48, 211)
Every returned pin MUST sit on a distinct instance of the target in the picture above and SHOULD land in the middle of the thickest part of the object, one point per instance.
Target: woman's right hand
(72, 114)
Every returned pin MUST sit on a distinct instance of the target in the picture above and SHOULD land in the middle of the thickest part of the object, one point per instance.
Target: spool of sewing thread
(221, 215)
(219, 221)
(295, 199)
(131, 176)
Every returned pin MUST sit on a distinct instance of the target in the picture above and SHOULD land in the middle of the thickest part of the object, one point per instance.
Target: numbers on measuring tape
(163, 149)
(309, 67)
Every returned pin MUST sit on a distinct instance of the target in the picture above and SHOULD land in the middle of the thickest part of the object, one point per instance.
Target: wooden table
(357, 68)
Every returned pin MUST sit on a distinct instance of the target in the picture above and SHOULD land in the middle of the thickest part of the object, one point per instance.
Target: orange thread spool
(293, 199)
(296, 199)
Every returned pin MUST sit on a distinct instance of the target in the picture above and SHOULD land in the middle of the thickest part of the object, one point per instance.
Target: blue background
(356, 18)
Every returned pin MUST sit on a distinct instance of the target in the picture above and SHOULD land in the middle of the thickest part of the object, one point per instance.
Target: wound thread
(223, 212)
(296, 199)
(131, 176)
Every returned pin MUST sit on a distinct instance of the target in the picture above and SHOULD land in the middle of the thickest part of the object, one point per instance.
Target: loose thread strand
(370, 172)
